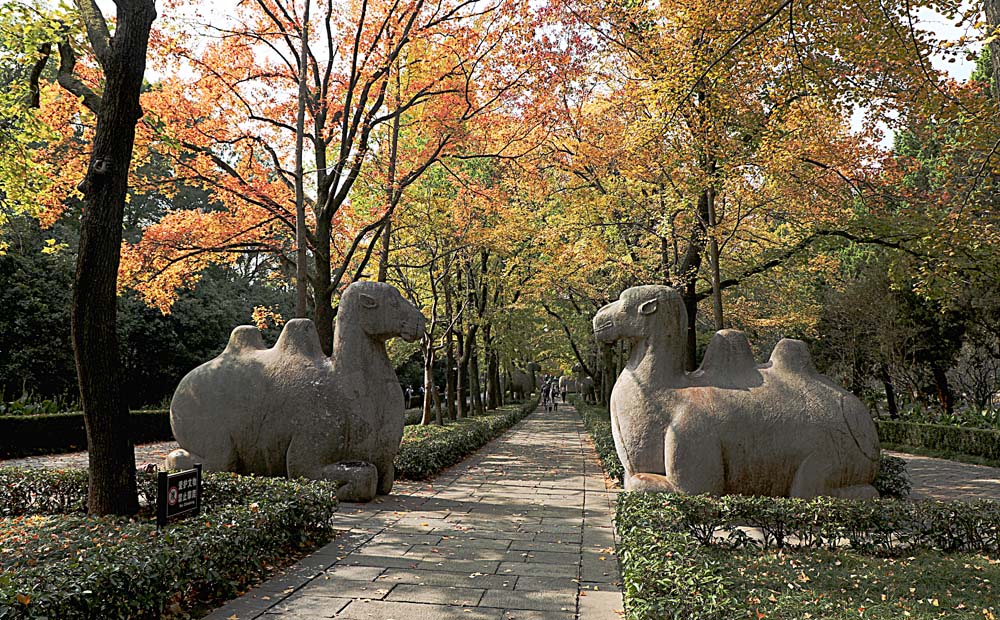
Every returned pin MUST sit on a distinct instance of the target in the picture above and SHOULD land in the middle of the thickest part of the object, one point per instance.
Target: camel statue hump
(792, 356)
(729, 361)
(245, 338)
(299, 337)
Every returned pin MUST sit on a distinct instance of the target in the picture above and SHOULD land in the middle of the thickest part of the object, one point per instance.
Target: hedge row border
(59, 433)
(428, 450)
(979, 442)
(248, 525)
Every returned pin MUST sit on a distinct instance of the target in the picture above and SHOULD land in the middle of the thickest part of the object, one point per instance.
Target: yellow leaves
(264, 316)
(52, 247)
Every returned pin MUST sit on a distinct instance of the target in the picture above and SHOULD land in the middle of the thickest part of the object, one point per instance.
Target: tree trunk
(112, 488)
(475, 387)
(944, 394)
(492, 369)
(438, 419)
(322, 288)
(890, 392)
(713, 251)
(390, 189)
(992, 8)
(425, 419)
(450, 376)
(690, 298)
(607, 376)
(462, 376)
(383, 256)
(449, 371)
(301, 257)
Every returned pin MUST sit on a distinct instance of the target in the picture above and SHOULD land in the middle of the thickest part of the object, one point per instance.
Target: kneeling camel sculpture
(292, 411)
(732, 426)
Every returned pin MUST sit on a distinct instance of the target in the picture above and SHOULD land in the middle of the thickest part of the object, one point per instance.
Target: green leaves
(837, 556)
(71, 566)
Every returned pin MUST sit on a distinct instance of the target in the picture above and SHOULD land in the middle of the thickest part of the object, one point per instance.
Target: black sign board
(178, 494)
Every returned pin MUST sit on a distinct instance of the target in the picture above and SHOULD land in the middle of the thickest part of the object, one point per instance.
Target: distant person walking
(549, 391)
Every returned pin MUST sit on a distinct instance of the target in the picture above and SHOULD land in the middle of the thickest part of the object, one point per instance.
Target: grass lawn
(669, 573)
(832, 585)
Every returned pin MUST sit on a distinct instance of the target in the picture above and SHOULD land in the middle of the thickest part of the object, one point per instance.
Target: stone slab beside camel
(733, 426)
(292, 411)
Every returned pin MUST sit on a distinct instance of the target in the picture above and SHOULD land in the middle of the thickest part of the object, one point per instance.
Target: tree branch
(97, 29)
(73, 84)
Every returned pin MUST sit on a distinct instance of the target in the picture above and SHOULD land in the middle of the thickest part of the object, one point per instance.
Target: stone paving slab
(521, 531)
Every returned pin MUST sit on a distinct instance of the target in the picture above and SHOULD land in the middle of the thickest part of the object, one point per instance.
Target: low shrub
(72, 566)
(413, 416)
(26, 435)
(697, 556)
(969, 417)
(978, 442)
(597, 420)
(892, 481)
(883, 527)
(28, 406)
(426, 450)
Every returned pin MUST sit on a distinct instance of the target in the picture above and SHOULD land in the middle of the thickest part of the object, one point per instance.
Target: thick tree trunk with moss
(112, 488)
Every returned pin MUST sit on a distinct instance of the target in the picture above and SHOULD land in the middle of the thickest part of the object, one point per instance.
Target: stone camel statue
(292, 411)
(731, 427)
(523, 381)
(584, 384)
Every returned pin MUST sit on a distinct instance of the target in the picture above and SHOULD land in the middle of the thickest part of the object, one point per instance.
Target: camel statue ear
(648, 307)
(368, 301)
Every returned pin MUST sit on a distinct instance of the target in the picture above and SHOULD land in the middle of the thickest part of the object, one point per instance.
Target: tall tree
(122, 60)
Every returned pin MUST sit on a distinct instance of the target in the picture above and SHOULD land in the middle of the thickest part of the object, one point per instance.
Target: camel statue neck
(656, 356)
(352, 346)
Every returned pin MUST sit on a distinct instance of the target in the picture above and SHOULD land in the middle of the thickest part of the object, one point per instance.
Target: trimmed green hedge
(881, 527)
(67, 565)
(597, 419)
(972, 441)
(687, 556)
(426, 450)
(65, 432)
(413, 416)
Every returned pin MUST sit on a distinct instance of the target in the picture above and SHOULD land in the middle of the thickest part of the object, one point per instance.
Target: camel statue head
(641, 312)
(381, 312)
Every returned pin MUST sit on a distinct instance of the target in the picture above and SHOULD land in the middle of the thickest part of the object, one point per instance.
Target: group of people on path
(551, 393)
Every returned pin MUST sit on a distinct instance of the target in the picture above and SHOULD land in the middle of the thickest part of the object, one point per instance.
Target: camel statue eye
(648, 307)
(368, 301)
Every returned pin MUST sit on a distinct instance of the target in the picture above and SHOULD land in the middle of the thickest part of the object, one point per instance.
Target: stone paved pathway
(950, 480)
(144, 453)
(521, 531)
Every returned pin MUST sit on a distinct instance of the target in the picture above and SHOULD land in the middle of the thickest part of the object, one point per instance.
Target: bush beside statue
(732, 426)
(292, 411)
